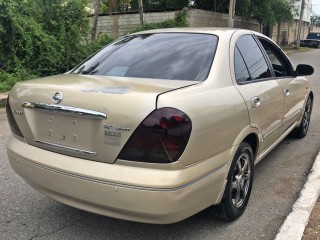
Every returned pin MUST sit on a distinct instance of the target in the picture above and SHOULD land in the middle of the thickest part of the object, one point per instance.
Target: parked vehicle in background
(313, 40)
(160, 124)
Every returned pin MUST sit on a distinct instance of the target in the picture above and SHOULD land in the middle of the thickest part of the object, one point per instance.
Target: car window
(253, 58)
(171, 56)
(280, 64)
(241, 70)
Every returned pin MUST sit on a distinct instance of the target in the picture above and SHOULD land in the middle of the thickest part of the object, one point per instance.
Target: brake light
(12, 122)
(160, 138)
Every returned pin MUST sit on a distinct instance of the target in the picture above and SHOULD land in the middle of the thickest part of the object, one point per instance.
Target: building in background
(307, 13)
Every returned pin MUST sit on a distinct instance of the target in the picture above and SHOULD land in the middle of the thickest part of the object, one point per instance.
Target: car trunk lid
(96, 114)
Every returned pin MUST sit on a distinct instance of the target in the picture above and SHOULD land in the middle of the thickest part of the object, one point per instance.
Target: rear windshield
(172, 56)
(313, 36)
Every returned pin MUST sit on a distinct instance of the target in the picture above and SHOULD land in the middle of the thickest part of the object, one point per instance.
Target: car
(313, 40)
(160, 124)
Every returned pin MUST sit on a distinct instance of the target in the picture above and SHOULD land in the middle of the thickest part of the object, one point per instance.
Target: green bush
(46, 37)
(7, 80)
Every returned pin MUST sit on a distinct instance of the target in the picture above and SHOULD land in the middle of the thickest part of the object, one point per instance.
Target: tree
(266, 12)
(42, 36)
(315, 21)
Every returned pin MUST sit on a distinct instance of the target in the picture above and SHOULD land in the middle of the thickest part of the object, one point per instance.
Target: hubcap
(241, 180)
(306, 116)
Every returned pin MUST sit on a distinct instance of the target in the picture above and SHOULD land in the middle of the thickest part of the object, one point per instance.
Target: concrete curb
(295, 223)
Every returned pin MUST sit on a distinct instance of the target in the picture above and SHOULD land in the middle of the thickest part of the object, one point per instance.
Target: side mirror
(304, 70)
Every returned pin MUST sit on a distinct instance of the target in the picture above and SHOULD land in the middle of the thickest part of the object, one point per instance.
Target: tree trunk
(95, 23)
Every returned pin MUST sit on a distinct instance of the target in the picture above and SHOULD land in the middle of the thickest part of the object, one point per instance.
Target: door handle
(255, 102)
(286, 92)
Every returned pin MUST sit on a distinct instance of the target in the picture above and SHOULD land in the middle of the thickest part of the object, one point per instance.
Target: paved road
(27, 214)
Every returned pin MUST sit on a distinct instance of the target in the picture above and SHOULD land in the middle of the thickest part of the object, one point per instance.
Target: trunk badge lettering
(57, 97)
(62, 137)
(17, 112)
(116, 128)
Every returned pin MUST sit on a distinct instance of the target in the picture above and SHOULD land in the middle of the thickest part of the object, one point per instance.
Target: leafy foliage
(214, 5)
(160, 4)
(267, 12)
(315, 20)
(42, 37)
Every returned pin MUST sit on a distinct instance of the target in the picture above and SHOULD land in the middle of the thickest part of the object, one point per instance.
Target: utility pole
(140, 3)
(232, 7)
(299, 26)
(95, 23)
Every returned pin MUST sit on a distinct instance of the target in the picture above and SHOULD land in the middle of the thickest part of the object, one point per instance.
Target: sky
(316, 7)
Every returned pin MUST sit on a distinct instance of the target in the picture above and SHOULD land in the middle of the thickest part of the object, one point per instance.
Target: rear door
(261, 92)
(293, 87)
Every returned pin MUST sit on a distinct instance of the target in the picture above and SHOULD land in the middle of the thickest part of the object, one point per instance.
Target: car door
(294, 88)
(261, 92)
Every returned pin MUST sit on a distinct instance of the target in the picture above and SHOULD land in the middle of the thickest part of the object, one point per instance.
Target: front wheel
(302, 130)
(239, 184)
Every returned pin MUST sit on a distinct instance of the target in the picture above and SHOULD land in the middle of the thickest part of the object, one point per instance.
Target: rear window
(172, 56)
(313, 36)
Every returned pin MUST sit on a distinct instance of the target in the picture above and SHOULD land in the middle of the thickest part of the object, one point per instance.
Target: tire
(302, 130)
(239, 185)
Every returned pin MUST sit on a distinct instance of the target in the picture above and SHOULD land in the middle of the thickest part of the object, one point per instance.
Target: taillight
(160, 138)
(12, 122)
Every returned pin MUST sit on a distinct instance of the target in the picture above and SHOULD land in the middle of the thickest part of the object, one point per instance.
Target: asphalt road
(27, 214)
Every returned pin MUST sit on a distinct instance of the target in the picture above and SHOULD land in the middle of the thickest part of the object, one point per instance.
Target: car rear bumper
(74, 186)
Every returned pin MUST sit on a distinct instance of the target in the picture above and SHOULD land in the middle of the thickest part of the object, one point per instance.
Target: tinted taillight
(12, 122)
(160, 138)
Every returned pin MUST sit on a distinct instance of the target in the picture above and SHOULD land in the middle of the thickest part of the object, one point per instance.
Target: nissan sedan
(160, 124)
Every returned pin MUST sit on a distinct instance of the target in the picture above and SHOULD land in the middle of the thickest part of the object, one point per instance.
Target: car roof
(219, 31)
(207, 30)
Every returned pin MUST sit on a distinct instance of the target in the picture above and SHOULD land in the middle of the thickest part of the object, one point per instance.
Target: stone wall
(202, 18)
(315, 29)
(289, 32)
(120, 24)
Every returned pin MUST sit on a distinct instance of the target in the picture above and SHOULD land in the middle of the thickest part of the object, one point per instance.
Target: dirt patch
(312, 231)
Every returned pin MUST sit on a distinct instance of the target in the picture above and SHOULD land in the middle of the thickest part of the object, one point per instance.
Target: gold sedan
(159, 125)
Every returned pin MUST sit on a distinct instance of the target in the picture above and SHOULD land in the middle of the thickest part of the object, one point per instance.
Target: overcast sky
(316, 7)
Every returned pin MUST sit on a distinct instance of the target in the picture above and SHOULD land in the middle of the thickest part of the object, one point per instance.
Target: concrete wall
(202, 18)
(119, 25)
(289, 32)
(315, 29)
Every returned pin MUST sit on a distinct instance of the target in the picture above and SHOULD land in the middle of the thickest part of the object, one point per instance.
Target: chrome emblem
(57, 97)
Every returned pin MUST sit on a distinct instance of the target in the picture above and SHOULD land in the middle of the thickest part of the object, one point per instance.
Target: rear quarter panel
(217, 110)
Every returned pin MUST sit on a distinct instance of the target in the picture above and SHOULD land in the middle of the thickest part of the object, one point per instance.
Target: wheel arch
(253, 140)
(250, 135)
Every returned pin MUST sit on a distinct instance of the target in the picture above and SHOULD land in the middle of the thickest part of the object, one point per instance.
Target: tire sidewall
(230, 209)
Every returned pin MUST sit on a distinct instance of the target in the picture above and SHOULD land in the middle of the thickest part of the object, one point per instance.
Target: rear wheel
(239, 184)
(302, 130)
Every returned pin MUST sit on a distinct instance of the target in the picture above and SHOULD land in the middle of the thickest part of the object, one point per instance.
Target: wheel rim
(241, 180)
(306, 116)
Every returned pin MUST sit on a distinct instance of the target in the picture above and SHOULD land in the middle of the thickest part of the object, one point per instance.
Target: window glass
(241, 71)
(280, 64)
(253, 57)
(176, 56)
